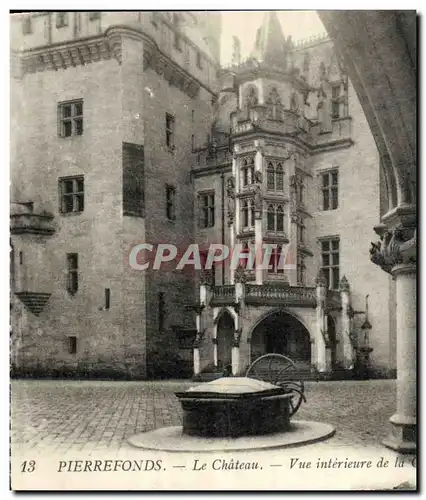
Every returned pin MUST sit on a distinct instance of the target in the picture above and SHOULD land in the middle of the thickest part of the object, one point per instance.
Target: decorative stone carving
(206, 277)
(320, 279)
(237, 337)
(198, 338)
(240, 275)
(344, 284)
(294, 217)
(326, 338)
(257, 203)
(366, 325)
(230, 192)
(395, 247)
(258, 177)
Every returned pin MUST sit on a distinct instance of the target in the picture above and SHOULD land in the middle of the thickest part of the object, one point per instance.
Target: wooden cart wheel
(282, 371)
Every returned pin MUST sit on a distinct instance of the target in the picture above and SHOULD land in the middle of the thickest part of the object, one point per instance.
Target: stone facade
(280, 108)
(131, 70)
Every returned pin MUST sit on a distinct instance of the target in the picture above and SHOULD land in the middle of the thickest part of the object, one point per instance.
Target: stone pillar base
(403, 435)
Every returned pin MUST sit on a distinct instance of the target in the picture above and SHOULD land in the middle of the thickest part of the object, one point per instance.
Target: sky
(297, 24)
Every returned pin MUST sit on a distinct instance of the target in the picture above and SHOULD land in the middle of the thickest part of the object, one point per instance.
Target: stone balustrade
(223, 295)
(275, 294)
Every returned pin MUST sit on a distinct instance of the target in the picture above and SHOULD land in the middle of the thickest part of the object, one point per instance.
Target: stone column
(320, 350)
(258, 211)
(233, 209)
(196, 348)
(348, 353)
(403, 435)
(396, 254)
(214, 340)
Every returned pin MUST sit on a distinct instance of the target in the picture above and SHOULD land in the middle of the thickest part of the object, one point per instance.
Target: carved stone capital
(344, 284)
(398, 246)
(294, 217)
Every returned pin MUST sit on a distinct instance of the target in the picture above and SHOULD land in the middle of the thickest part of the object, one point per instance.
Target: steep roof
(270, 45)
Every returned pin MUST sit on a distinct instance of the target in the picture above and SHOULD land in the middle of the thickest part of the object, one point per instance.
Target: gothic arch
(217, 315)
(276, 310)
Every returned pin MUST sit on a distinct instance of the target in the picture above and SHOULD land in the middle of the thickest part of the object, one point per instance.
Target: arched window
(270, 176)
(279, 178)
(280, 218)
(271, 218)
(275, 176)
(247, 214)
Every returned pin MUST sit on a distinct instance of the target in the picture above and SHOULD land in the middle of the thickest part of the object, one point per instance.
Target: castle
(125, 130)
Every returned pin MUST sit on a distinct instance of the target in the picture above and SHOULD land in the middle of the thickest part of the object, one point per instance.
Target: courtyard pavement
(64, 416)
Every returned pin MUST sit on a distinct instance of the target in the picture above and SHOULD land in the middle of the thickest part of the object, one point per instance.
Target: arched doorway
(281, 333)
(225, 337)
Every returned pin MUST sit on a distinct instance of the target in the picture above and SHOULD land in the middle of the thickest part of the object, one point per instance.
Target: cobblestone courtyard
(93, 415)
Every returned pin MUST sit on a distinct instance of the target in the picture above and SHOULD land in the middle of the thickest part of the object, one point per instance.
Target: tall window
(330, 190)
(275, 218)
(72, 273)
(275, 264)
(300, 194)
(107, 299)
(206, 204)
(70, 118)
(170, 203)
(247, 214)
(301, 233)
(72, 345)
(275, 176)
(248, 262)
(170, 131)
(72, 194)
(330, 262)
(26, 25)
(247, 171)
(335, 101)
(61, 19)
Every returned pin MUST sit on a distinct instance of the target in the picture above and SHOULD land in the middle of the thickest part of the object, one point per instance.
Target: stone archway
(225, 339)
(282, 333)
(379, 49)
